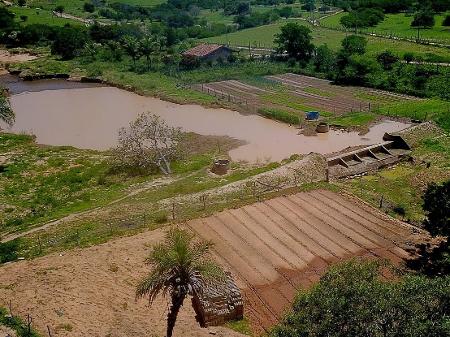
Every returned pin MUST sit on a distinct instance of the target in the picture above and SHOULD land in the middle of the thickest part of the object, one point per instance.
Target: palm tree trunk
(177, 303)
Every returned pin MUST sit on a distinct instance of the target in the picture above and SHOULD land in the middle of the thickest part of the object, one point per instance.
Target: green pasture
(40, 16)
(263, 36)
(399, 25)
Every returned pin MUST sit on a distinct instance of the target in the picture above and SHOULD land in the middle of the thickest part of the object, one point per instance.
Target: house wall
(223, 53)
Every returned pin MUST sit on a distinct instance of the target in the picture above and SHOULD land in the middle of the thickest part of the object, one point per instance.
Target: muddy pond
(89, 116)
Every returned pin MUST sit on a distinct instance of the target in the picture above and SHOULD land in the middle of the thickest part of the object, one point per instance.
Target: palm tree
(181, 267)
(6, 113)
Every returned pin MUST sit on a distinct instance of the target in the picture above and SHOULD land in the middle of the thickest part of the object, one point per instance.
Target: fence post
(49, 331)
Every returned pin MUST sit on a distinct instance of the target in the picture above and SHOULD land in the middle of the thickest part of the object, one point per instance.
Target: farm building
(208, 52)
(219, 303)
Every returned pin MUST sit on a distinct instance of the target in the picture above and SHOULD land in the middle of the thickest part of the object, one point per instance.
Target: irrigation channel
(59, 112)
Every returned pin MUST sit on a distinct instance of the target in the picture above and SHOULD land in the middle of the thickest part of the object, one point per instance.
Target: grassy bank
(44, 182)
(40, 183)
(401, 187)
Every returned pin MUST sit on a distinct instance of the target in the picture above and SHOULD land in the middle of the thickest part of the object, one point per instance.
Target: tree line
(351, 65)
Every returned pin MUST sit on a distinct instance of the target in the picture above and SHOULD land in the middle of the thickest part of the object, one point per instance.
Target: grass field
(145, 3)
(402, 186)
(74, 7)
(40, 16)
(400, 25)
(263, 36)
(216, 16)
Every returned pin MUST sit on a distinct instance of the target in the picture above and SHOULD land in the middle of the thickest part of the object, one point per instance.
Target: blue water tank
(312, 115)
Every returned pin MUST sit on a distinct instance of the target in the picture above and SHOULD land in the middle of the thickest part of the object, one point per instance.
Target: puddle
(90, 117)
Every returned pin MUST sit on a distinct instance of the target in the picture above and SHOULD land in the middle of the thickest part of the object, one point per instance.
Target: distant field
(263, 36)
(74, 7)
(40, 16)
(146, 3)
(287, 97)
(400, 25)
(216, 16)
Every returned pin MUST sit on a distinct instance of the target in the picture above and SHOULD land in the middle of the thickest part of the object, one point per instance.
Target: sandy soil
(7, 57)
(91, 293)
(6, 332)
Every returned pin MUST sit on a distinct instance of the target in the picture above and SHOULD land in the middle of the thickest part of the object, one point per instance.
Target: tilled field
(300, 93)
(278, 246)
(273, 248)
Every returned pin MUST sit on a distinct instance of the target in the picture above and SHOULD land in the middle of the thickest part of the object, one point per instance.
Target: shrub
(8, 251)
(89, 7)
(352, 299)
(446, 21)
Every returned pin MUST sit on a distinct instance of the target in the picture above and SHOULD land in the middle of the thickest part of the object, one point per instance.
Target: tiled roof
(202, 50)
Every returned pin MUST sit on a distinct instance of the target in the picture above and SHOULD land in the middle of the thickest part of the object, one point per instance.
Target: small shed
(219, 303)
(209, 52)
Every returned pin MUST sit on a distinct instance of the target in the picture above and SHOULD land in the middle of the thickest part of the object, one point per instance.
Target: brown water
(91, 117)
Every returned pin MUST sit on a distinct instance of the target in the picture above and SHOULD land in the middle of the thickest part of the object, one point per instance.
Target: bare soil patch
(7, 57)
(91, 293)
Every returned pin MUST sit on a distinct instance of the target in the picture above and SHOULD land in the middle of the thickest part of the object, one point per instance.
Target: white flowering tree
(149, 143)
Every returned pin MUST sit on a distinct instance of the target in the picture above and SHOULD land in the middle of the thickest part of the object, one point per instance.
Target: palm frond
(179, 264)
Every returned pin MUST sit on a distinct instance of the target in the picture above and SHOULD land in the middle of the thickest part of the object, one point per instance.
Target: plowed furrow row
(334, 219)
(240, 265)
(306, 228)
(365, 228)
(342, 245)
(268, 256)
(253, 241)
(255, 260)
(281, 242)
(361, 214)
(300, 238)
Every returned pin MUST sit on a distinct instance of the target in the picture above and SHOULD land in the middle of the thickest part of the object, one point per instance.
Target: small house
(208, 52)
(218, 303)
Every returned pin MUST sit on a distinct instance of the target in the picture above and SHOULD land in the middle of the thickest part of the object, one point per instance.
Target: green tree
(150, 46)
(435, 261)
(436, 204)
(324, 60)
(59, 9)
(68, 41)
(295, 40)
(180, 267)
(21, 3)
(6, 18)
(131, 46)
(309, 5)
(408, 57)
(353, 300)
(387, 59)
(446, 22)
(354, 44)
(423, 19)
(89, 7)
